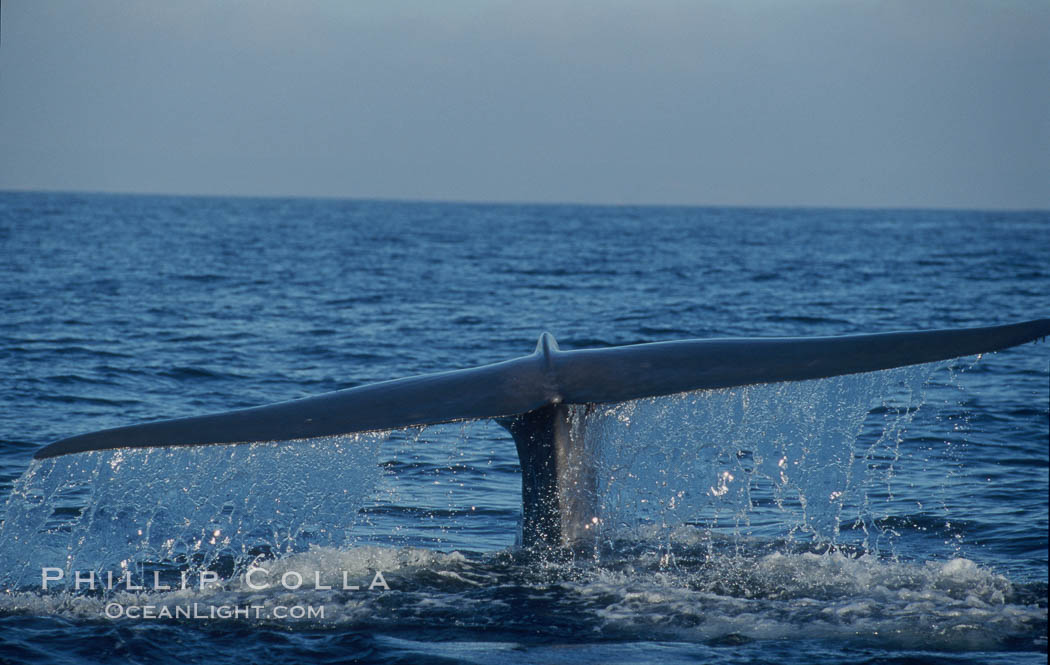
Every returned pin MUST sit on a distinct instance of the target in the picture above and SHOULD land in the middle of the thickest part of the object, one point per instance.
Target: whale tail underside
(530, 396)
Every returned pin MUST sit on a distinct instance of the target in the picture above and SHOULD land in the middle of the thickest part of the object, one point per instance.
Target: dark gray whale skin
(538, 396)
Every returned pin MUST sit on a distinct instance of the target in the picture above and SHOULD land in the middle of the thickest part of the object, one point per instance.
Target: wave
(683, 594)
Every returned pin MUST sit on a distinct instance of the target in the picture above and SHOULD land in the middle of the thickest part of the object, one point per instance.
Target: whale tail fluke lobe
(534, 396)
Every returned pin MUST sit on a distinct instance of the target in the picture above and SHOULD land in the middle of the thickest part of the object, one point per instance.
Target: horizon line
(512, 202)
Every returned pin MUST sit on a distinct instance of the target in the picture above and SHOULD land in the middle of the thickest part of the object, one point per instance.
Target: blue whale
(538, 399)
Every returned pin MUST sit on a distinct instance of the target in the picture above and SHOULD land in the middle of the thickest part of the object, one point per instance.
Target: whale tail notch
(538, 398)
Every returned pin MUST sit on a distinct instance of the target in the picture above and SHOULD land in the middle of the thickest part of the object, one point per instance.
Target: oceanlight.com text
(206, 611)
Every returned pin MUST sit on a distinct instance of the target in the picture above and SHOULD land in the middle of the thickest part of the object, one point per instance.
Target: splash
(200, 507)
(777, 461)
(780, 460)
(952, 605)
(758, 513)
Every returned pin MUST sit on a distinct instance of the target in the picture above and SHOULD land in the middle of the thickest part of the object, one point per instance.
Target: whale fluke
(533, 397)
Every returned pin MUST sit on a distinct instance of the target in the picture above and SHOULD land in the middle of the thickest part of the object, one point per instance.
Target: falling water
(773, 460)
(193, 507)
(761, 512)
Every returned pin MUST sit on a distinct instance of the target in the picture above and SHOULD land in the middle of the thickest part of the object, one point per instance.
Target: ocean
(889, 517)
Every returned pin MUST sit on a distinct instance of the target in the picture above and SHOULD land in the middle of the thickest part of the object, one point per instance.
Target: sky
(858, 103)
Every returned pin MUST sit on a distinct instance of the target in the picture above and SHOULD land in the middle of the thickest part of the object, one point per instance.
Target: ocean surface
(896, 516)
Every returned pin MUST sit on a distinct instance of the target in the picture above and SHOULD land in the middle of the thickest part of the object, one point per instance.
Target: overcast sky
(846, 103)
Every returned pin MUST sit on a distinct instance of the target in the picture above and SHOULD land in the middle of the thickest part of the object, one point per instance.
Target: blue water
(897, 516)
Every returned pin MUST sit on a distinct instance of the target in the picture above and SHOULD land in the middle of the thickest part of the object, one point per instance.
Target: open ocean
(897, 516)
